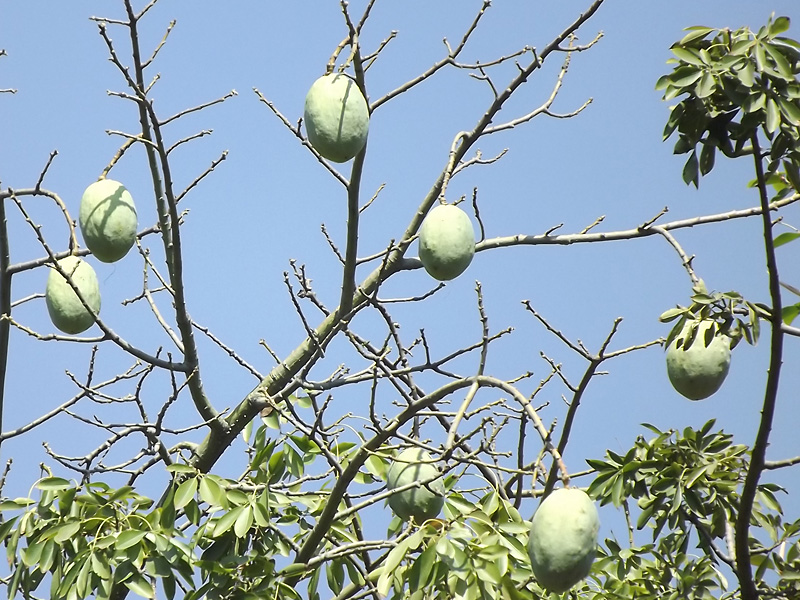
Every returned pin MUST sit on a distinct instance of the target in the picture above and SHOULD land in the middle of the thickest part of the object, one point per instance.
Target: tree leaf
(686, 55)
(695, 32)
(779, 25)
(747, 74)
(212, 493)
(685, 76)
(185, 492)
(128, 538)
(139, 585)
(53, 484)
(785, 238)
(706, 86)
(790, 110)
(789, 313)
(773, 116)
(707, 158)
(781, 64)
(690, 171)
(243, 522)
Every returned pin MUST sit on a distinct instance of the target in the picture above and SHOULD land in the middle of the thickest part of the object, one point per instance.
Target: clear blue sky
(265, 203)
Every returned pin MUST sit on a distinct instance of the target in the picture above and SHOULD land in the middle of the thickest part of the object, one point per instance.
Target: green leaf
(48, 556)
(690, 171)
(790, 110)
(781, 64)
(779, 25)
(212, 493)
(687, 56)
(128, 538)
(243, 522)
(226, 521)
(185, 492)
(785, 238)
(53, 484)
(696, 32)
(685, 76)
(182, 469)
(747, 74)
(789, 313)
(139, 585)
(707, 158)
(100, 565)
(773, 116)
(17, 504)
(65, 532)
(706, 86)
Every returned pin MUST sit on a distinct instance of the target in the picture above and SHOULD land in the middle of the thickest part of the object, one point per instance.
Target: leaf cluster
(737, 83)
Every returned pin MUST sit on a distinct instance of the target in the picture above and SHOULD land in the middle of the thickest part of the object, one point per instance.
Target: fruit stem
(5, 305)
(758, 454)
(353, 193)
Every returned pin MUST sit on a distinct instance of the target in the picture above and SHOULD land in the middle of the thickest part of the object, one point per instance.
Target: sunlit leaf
(773, 116)
(185, 492)
(695, 33)
(53, 484)
(686, 55)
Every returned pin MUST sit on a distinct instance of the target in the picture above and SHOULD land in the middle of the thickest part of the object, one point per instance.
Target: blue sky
(264, 205)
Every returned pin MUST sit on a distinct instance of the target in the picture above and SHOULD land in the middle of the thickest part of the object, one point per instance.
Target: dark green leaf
(707, 158)
(690, 171)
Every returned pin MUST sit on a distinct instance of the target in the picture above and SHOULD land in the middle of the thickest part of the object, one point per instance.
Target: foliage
(299, 521)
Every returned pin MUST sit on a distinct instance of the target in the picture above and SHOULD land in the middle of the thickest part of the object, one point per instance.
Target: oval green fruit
(66, 310)
(423, 502)
(108, 220)
(698, 371)
(563, 539)
(446, 242)
(336, 117)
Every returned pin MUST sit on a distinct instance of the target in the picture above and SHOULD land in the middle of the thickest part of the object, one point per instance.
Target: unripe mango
(423, 502)
(446, 242)
(66, 310)
(698, 371)
(336, 117)
(563, 539)
(108, 220)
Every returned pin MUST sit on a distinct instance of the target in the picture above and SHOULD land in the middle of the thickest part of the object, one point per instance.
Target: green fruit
(423, 502)
(336, 117)
(446, 242)
(699, 370)
(65, 308)
(563, 539)
(108, 220)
